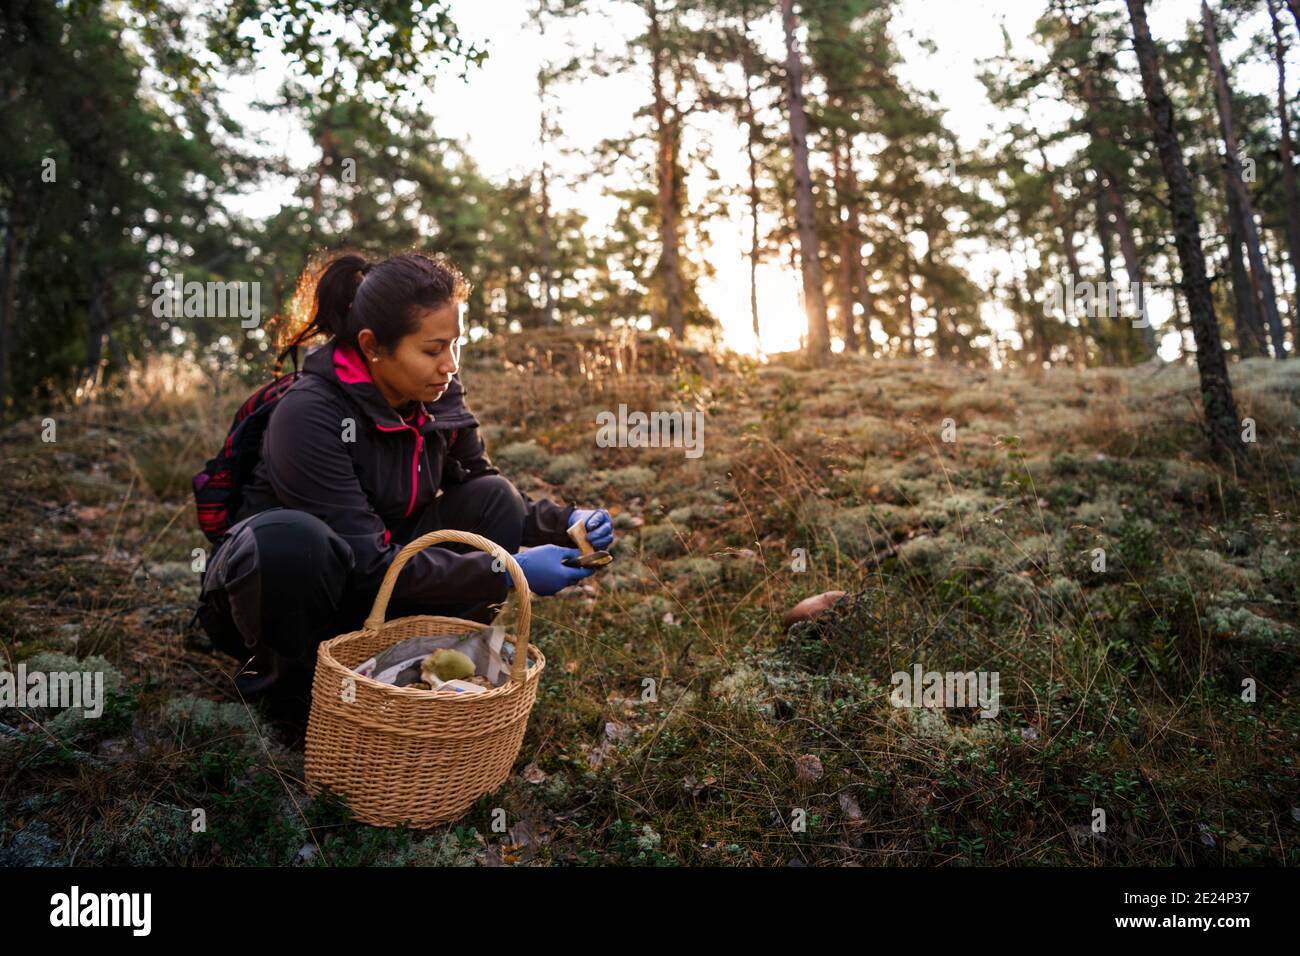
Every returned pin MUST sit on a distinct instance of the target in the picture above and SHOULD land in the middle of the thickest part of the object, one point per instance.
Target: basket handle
(380, 607)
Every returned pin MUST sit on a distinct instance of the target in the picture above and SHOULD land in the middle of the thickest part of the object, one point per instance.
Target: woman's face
(421, 365)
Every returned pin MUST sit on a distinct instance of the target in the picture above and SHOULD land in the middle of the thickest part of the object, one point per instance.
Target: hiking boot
(262, 672)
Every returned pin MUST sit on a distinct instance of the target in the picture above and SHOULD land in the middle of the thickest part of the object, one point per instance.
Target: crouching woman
(370, 448)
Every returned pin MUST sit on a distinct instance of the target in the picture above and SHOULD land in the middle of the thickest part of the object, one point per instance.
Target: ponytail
(398, 287)
(336, 288)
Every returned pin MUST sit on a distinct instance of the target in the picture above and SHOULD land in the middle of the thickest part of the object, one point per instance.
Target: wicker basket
(400, 755)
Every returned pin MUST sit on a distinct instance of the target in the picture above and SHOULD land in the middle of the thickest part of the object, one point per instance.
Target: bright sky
(495, 114)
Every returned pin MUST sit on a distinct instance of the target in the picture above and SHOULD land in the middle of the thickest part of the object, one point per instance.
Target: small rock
(809, 608)
(849, 804)
(1083, 833)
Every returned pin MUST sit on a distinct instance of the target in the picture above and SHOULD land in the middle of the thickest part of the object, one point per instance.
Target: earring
(374, 358)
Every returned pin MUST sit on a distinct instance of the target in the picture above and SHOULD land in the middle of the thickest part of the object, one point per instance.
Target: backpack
(218, 487)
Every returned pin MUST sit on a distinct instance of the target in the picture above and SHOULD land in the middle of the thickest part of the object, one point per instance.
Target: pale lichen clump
(1244, 624)
(524, 455)
(94, 674)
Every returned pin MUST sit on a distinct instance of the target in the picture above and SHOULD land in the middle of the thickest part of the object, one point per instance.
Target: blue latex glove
(600, 528)
(543, 569)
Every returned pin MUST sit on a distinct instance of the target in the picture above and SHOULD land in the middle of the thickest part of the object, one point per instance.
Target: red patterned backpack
(217, 488)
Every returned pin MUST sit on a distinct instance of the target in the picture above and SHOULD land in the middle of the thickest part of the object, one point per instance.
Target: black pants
(277, 585)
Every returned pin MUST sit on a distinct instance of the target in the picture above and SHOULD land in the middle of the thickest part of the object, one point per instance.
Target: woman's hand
(543, 568)
(600, 527)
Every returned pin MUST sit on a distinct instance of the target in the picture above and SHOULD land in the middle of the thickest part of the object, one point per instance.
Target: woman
(372, 447)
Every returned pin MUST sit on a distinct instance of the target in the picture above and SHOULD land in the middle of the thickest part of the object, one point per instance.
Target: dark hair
(353, 293)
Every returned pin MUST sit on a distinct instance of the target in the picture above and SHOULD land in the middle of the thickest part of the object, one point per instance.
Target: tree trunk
(544, 187)
(941, 346)
(1105, 235)
(909, 317)
(751, 146)
(1088, 324)
(1021, 307)
(8, 298)
(1132, 264)
(1251, 340)
(97, 327)
(325, 142)
(860, 279)
(1110, 180)
(1284, 147)
(819, 335)
(844, 207)
(1247, 325)
(548, 269)
(669, 260)
(1220, 409)
(1259, 270)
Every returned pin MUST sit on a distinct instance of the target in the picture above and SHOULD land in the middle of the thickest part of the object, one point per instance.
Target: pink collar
(349, 366)
(352, 369)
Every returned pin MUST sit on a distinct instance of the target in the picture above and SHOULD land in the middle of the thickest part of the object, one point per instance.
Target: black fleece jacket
(336, 449)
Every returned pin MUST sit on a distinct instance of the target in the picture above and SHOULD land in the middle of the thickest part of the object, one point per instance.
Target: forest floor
(678, 721)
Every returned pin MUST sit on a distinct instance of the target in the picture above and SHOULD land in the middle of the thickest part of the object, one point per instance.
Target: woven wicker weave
(406, 756)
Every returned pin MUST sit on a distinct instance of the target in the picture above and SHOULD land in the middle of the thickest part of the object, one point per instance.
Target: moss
(866, 529)
(1242, 623)
(653, 608)
(626, 573)
(631, 480)
(1065, 590)
(142, 834)
(1015, 588)
(696, 570)
(524, 456)
(72, 721)
(564, 468)
(661, 540)
(1187, 482)
(928, 553)
(744, 685)
(974, 557)
(209, 716)
(1104, 512)
(1212, 572)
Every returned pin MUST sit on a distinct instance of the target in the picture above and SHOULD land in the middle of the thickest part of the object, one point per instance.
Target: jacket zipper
(415, 460)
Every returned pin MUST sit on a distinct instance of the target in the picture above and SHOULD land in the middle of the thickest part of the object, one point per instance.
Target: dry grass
(678, 720)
